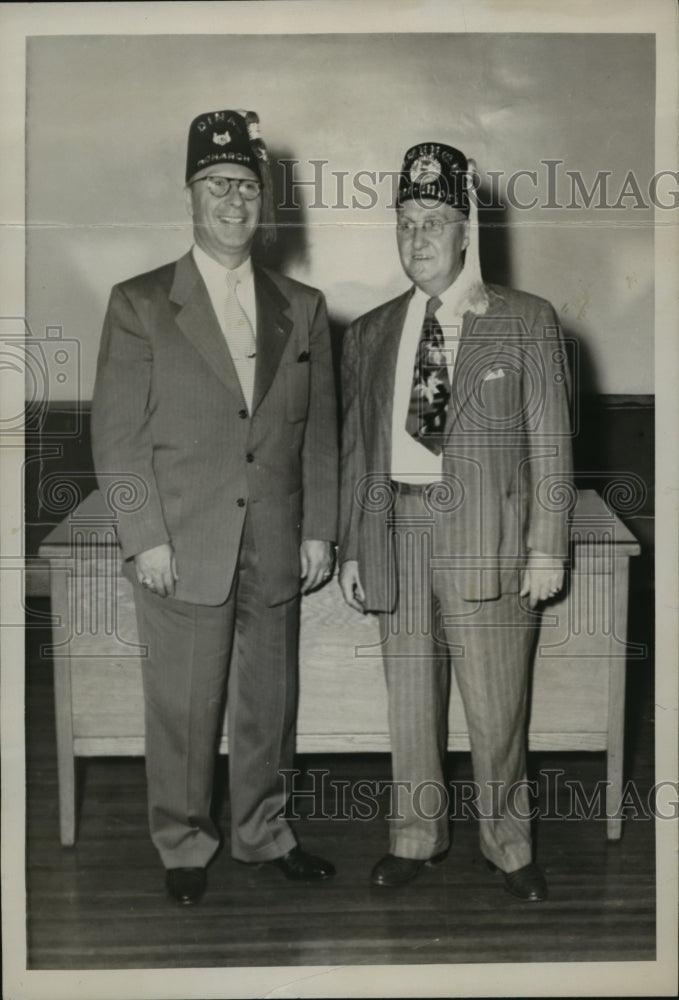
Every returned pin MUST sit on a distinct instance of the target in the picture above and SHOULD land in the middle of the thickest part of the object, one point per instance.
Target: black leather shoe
(526, 883)
(296, 865)
(391, 871)
(302, 867)
(186, 885)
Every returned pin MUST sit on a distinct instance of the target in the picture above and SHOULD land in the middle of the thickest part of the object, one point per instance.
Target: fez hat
(434, 170)
(219, 137)
(443, 173)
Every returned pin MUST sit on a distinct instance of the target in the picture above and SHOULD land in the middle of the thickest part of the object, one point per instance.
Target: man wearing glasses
(215, 398)
(456, 425)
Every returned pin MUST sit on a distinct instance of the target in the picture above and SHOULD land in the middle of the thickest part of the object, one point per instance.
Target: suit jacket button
(240, 502)
(249, 457)
(242, 414)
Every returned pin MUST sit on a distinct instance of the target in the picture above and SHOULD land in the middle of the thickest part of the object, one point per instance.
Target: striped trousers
(489, 644)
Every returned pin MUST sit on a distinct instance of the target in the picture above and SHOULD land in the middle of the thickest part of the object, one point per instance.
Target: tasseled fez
(219, 137)
(432, 170)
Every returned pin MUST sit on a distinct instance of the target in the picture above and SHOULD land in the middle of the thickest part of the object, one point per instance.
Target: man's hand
(157, 569)
(542, 577)
(316, 558)
(350, 582)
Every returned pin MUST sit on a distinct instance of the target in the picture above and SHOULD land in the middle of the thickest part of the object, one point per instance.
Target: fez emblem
(424, 170)
(221, 139)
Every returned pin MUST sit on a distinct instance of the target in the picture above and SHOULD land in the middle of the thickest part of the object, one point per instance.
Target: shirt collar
(211, 268)
(454, 299)
(466, 294)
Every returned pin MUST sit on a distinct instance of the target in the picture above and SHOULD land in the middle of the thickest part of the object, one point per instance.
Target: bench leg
(616, 704)
(65, 755)
(615, 750)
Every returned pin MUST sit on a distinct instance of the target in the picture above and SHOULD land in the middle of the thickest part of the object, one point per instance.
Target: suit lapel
(381, 368)
(197, 321)
(273, 330)
(480, 344)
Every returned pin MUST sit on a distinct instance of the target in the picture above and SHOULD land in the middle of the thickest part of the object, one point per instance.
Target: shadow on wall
(496, 265)
(291, 249)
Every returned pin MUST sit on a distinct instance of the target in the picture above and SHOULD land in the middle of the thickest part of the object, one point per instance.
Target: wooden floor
(101, 904)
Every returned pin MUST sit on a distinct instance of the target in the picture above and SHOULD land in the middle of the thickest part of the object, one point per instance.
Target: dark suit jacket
(168, 415)
(507, 446)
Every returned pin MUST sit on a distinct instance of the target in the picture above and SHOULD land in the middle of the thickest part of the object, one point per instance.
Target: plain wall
(107, 119)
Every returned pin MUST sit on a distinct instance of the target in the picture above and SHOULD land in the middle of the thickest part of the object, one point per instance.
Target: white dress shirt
(214, 276)
(411, 462)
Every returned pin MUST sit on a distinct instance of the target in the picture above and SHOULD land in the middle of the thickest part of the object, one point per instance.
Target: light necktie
(431, 389)
(240, 338)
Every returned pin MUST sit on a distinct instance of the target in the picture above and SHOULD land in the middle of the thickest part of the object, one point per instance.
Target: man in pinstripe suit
(215, 392)
(456, 422)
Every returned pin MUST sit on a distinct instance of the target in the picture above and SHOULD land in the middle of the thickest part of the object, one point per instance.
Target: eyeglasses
(431, 227)
(220, 186)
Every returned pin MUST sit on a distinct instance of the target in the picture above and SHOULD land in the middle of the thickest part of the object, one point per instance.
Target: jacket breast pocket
(297, 374)
(497, 402)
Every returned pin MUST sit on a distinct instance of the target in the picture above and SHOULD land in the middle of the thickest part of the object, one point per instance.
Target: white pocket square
(495, 373)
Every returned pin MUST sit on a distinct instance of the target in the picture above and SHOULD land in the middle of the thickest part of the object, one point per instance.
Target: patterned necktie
(240, 338)
(430, 393)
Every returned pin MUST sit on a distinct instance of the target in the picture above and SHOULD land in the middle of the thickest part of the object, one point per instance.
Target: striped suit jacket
(169, 418)
(507, 464)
